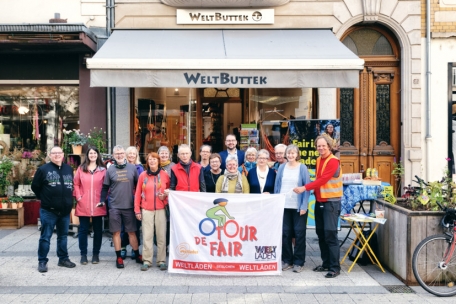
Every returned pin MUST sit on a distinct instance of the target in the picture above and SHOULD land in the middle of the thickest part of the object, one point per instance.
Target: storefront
(44, 85)
(182, 78)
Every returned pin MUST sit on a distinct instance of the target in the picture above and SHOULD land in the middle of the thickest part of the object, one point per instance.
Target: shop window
(33, 117)
(163, 118)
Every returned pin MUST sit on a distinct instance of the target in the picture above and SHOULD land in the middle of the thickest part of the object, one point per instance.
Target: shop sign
(225, 16)
(224, 79)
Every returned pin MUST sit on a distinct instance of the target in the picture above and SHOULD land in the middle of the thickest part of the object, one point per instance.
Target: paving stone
(164, 298)
(183, 299)
(129, 298)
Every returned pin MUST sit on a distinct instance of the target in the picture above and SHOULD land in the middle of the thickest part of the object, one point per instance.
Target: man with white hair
(120, 182)
(279, 151)
(187, 175)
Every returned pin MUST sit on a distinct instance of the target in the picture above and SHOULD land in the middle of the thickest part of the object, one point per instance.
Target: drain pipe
(428, 89)
(110, 92)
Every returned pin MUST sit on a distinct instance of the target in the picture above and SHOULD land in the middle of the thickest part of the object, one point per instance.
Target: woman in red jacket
(88, 182)
(150, 202)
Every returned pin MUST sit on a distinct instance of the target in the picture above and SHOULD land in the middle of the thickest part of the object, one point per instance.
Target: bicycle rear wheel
(429, 269)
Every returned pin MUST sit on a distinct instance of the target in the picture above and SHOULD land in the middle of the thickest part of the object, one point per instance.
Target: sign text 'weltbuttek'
(222, 16)
(224, 78)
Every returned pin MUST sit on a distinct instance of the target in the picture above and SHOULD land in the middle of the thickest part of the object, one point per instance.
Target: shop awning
(259, 58)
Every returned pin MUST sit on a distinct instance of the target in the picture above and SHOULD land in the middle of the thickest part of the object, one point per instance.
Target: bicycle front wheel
(431, 272)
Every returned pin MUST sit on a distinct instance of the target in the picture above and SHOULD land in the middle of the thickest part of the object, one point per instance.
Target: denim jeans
(326, 218)
(294, 225)
(49, 221)
(83, 232)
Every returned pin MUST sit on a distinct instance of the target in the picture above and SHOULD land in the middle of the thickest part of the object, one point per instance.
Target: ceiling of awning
(228, 58)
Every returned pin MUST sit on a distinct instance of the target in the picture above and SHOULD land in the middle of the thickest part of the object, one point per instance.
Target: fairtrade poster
(302, 133)
(225, 234)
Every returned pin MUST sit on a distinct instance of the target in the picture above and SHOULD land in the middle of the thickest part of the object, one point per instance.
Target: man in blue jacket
(230, 143)
(53, 185)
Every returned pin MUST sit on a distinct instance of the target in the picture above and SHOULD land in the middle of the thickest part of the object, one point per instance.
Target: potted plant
(16, 201)
(96, 138)
(4, 201)
(6, 168)
(410, 221)
(398, 172)
(76, 139)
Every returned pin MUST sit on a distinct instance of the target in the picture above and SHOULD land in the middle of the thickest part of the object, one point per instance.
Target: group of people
(139, 196)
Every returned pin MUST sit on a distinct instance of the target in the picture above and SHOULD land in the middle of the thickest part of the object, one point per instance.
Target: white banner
(225, 234)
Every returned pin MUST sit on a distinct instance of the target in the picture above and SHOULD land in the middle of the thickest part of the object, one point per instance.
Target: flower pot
(4, 205)
(20, 205)
(77, 149)
(13, 205)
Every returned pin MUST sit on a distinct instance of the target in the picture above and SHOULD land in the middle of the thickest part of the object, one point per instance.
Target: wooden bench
(12, 218)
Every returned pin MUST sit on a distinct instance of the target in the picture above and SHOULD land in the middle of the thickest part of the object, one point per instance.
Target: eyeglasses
(205, 152)
(120, 153)
(262, 158)
(279, 153)
(214, 161)
(231, 140)
(56, 153)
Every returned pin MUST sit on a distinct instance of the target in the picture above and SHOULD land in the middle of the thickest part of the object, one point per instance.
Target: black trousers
(326, 218)
(294, 226)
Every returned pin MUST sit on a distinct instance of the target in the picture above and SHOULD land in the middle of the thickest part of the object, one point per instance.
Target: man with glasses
(279, 155)
(230, 143)
(53, 185)
(120, 182)
(205, 152)
(187, 175)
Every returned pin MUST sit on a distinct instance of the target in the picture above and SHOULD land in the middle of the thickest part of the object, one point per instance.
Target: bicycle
(434, 262)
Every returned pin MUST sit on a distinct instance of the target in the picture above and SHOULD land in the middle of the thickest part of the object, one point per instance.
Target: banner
(225, 234)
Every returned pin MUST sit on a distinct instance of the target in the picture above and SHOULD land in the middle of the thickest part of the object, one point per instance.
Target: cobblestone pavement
(20, 282)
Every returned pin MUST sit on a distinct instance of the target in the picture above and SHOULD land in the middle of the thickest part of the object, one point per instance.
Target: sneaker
(297, 268)
(145, 267)
(95, 259)
(42, 267)
(163, 266)
(286, 266)
(139, 259)
(84, 260)
(133, 255)
(123, 253)
(67, 263)
(119, 263)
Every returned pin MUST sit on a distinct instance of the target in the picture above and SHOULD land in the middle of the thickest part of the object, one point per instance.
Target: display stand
(12, 218)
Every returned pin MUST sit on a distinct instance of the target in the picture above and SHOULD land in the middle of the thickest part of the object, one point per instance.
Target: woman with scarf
(249, 161)
(150, 202)
(232, 181)
(165, 159)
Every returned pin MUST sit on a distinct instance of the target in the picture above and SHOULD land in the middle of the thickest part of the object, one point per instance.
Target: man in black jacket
(53, 185)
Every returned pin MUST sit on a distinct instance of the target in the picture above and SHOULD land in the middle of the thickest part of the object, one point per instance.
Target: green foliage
(6, 167)
(96, 138)
(16, 199)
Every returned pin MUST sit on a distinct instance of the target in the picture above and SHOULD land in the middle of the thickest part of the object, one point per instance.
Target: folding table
(363, 246)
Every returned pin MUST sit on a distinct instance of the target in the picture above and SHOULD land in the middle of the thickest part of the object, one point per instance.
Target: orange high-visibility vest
(334, 187)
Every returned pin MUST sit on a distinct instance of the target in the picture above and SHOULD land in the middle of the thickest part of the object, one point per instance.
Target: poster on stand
(225, 234)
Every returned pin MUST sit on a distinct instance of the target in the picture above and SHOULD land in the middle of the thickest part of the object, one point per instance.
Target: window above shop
(365, 42)
(224, 3)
